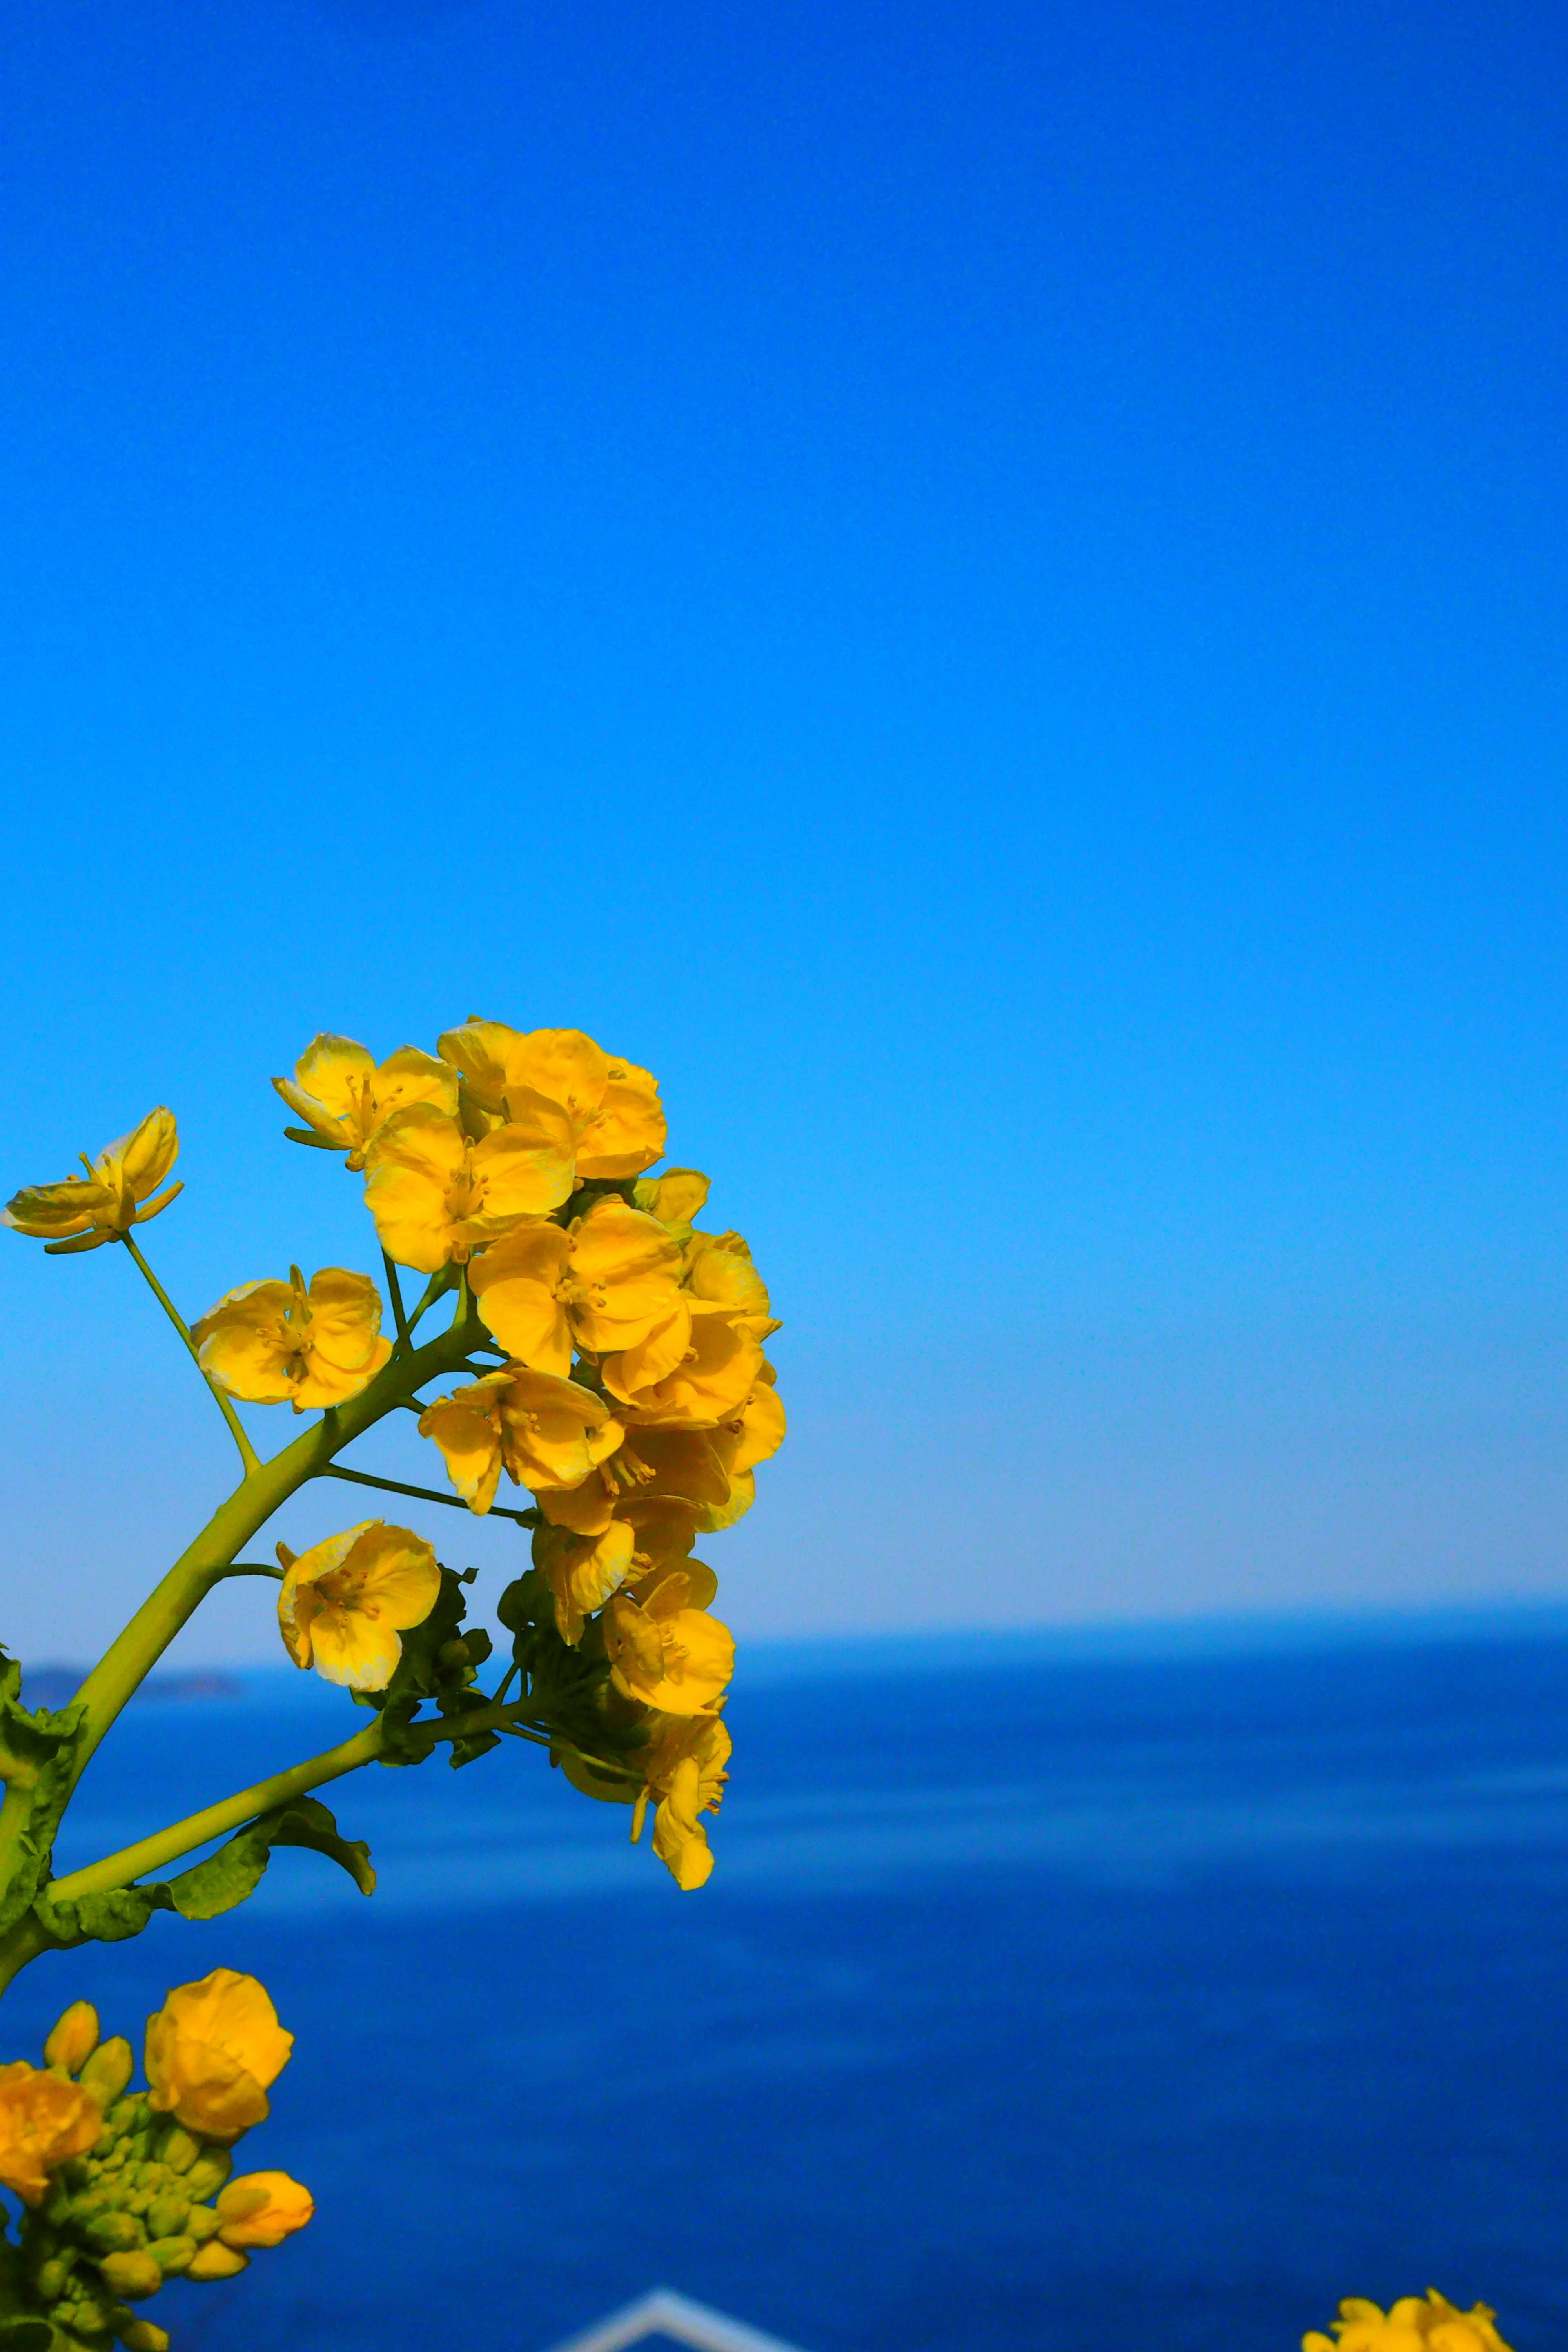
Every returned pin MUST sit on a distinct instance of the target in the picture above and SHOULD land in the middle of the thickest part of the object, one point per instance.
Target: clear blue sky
(981, 586)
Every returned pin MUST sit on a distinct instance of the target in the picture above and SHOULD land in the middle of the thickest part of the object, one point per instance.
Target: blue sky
(981, 587)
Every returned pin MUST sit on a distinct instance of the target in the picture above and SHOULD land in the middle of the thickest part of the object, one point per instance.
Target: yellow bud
(106, 2072)
(142, 2336)
(216, 2261)
(74, 2038)
(133, 2275)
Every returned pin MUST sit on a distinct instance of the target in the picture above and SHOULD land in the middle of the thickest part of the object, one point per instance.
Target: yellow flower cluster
(116, 2187)
(1416, 2323)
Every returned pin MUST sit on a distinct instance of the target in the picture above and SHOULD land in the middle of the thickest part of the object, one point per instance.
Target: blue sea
(1044, 1998)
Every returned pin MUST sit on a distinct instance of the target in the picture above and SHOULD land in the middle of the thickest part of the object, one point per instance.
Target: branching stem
(424, 1494)
(247, 1451)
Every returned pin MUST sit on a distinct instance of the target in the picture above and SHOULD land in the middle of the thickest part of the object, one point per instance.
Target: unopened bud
(116, 2233)
(135, 2275)
(166, 2214)
(173, 2255)
(216, 2261)
(51, 2279)
(142, 2336)
(202, 2223)
(74, 2037)
(178, 2150)
(107, 2072)
(208, 2172)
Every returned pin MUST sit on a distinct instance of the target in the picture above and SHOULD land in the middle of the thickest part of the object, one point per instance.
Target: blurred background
(981, 587)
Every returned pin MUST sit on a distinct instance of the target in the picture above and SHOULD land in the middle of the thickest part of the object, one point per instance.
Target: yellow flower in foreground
(85, 1211)
(686, 1772)
(582, 1572)
(544, 1431)
(708, 1383)
(437, 1195)
(1428, 2323)
(671, 1464)
(42, 2121)
(666, 1653)
(268, 1342)
(617, 1125)
(262, 2209)
(610, 1281)
(211, 2052)
(344, 1603)
(343, 1098)
(718, 1268)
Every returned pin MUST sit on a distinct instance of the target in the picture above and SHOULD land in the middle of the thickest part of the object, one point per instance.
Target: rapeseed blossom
(544, 1432)
(261, 2209)
(609, 1281)
(85, 1211)
(613, 1107)
(1416, 2323)
(213, 2052)
(284, 1342)
(43, 2121)
(345, 1098)
(437, 1195)
(344, 1604)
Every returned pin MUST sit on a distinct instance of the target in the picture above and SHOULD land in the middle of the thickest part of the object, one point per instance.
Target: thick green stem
(25, 1942)
(132, 1656)
(230, 1813)
(247, 1451)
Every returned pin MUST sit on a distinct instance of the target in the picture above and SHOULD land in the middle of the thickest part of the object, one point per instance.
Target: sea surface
(1047, 2000)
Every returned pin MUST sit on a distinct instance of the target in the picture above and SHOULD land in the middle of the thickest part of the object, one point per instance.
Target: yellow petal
(516, 1285)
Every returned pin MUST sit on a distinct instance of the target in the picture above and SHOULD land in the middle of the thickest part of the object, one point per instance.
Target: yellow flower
(686, 1772)
(582, 1572)
(262, 2209)
(678, 1464)
(212, 2051)
(706, 1383)
(673, 1198)
(542, 1431)
(271, 1342)
(751, 1436)
(1428, 2322)
(42, 2121)
(102, 1205)
(437, 1195)
(665, 1652)
(717, 1267)
(344, 1603)
(343, 1098)
(617, 1126)
(608, 1281)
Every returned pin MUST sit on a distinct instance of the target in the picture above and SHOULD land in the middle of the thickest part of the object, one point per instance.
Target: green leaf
(38, 1759)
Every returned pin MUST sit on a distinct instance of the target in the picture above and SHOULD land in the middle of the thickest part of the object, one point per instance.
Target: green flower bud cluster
(120, 2221)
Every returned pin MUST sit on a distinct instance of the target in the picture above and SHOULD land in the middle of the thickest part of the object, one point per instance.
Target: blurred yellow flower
(541, 1429)
(344, 1603)
(271, 1342)
(617, 1124)
(610, 1280)
(261, 2209)
(211, 2052)
(1428, 2323)
(43, 2120)
(437, 1195)
(85, 1211)
(706, 1383)
(686, 1773)
(664, 1652)
(582, 1572)
(343, 1097)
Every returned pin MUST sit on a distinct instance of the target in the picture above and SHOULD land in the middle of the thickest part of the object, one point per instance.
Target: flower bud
(142, 2336)
(216, 2261)
(73, 2038)
(51, 2279)
(115, 2232)
(200, 2223)
(107, 2072)
(132, 2275)
(178, 2151)
(173, 2255)
(166, 2214)
(208, 2172)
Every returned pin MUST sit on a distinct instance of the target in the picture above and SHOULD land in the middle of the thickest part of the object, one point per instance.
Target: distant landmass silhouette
(52, 1686)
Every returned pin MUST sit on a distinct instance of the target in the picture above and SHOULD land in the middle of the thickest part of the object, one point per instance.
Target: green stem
(426, 1495)
(247, 1451)
(205, 1562)
(254, 1567)
(230, 1813)
(392, 1283)
(25, 1942)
